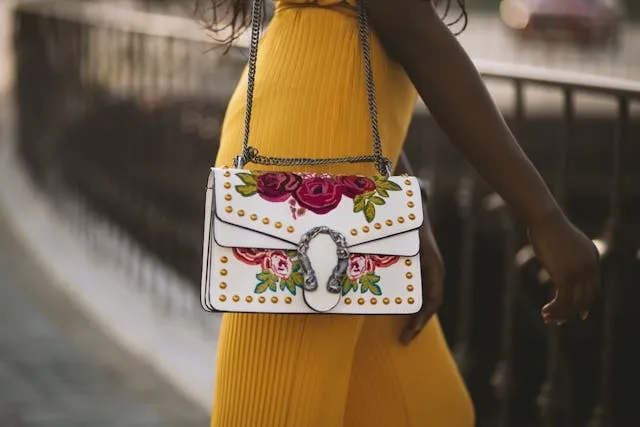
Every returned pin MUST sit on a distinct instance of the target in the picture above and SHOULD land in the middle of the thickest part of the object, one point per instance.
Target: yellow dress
(325, 370)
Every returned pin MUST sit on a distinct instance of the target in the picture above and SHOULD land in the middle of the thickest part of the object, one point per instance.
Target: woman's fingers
(572, 299)
(557, 311)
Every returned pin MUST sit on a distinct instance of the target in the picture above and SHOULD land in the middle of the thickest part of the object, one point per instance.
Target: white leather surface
(229, 284)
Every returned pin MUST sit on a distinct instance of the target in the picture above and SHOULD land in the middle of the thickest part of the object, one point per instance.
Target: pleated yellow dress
(325, 370)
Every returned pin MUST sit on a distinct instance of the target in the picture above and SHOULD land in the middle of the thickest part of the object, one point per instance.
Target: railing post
(555, 398)
(467, 207)
(617, 247)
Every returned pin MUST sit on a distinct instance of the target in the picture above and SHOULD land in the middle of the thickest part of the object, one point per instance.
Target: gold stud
(398, 300)
(360, 301)
(411, 300)
(223, 285)
(224, 260)
(227, 185)
(288, 300)
(410, 288)
(290, 229)
(407, 181)
(365, 229)
(227, 197)
(354, 231)
(377, 226)
(347, 301)
(409, 193)
(400, 219)
(412, 217)
(240, 212)
(278, 225)
(249, 299)
(410, 204)
(222, 298)
(235, 298)
(227, 174)
(261, 300)
(389, 222)
(265, 221)
(223, 272)
(385, 301)
(274, 299)
(373, 301)
(253, 217)
(407, 262)
(409, 275)
(228, 209)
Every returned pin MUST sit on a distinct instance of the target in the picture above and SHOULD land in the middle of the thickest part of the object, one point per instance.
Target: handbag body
(288, 242)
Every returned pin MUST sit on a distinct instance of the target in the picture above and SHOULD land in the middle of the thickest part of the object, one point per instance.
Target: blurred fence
(122, 110)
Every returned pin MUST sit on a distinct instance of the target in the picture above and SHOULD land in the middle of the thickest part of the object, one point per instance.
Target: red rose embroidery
(353, 186)
(279, 264)
(359, 265)
(250, 256)
(319, 194)
(277, 186)
(384, 260)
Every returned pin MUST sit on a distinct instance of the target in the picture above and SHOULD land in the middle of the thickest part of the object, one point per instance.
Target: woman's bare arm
(456, 96)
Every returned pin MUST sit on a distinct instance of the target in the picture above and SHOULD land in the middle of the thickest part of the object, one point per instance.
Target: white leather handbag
(284, 242)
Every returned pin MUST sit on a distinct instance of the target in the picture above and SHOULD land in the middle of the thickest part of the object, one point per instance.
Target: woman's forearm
(457, 98)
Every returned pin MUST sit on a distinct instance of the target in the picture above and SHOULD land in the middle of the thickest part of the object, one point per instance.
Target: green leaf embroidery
(358, 203)
(293, 254)
(288, 285)
(369, 211)
(382, 192)
(248, 179)
(295, 280)
(267, 280)
(385, 184)
(369, 283)
(246, 190)
(377, 200)
(348, 286)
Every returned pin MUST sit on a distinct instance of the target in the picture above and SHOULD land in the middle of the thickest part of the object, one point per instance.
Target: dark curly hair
(227, 19)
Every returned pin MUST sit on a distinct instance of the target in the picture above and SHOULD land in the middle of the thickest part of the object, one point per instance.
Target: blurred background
(110, 114)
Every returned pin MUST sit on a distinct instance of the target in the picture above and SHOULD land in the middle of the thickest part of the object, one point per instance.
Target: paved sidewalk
(57, 369)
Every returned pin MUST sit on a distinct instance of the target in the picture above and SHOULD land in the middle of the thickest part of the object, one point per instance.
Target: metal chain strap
(251, 155)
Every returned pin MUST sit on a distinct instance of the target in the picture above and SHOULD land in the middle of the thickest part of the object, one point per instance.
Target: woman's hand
(572, 262)
(432, 269)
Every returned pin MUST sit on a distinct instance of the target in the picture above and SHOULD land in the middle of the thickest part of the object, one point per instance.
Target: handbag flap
(284, 206)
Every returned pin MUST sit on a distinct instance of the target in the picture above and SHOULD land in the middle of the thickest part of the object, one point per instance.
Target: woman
(355, 371)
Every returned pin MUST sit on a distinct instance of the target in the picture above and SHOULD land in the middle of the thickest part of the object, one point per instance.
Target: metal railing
(122, 109)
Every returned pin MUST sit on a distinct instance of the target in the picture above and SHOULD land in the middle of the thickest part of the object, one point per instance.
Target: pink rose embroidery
(279, 264)
(359, 265)
(250, 256)
(383, 260)
(319, 194)
(277, 186)
(353, 186)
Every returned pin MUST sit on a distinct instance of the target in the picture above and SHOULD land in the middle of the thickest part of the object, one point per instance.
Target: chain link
(250, 154)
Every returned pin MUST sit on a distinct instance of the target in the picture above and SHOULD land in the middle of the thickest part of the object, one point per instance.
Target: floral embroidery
(318, 193)
(278, 268)
(281, 269)
(361, 273)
